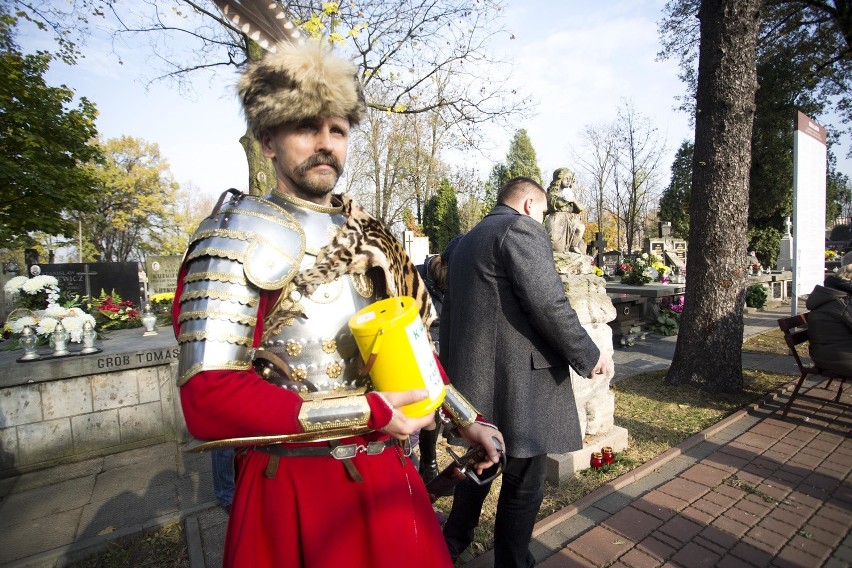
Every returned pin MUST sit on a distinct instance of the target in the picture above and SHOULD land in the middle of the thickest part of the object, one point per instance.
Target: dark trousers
(517, 507)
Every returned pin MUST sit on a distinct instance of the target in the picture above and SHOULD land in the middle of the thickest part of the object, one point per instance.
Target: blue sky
(578, 59)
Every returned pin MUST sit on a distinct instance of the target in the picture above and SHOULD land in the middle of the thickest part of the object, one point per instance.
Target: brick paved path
(761, 492)
(753, 490)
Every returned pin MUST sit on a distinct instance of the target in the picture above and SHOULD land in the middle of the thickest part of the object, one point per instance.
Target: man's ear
(266, 144)
(528, 206)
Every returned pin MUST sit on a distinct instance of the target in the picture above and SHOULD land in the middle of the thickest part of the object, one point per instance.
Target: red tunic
(311, 514)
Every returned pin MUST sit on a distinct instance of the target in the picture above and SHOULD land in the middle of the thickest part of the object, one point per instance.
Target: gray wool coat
(509, 334)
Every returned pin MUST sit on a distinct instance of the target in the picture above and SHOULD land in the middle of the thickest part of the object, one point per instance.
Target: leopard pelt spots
(362, 243)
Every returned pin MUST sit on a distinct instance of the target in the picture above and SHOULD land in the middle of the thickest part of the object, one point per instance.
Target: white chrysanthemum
(14, 285)
(19, 324)
(75, 312)
(46, 325)
(32, 286)
(56, 311)
(74, 326)
(644, 255)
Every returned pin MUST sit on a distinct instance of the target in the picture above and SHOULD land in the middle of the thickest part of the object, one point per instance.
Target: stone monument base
(560, 466)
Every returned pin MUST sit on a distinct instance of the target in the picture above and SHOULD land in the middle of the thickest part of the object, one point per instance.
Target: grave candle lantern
(597, 460)
(88, 336)
(60, 340)
(29, 342)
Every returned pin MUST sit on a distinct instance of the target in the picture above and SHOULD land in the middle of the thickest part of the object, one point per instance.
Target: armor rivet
(333, 370)
(293, 348)
(329, 346)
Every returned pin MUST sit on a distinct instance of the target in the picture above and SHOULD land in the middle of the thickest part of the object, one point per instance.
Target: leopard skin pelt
(361, 243)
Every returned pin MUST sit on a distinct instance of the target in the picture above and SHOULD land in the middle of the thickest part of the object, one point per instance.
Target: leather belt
(338, 452)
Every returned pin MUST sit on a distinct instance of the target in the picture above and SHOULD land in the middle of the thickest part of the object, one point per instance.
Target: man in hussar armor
(262, 361)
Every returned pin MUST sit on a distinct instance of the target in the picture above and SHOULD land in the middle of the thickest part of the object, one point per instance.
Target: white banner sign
(809, 167)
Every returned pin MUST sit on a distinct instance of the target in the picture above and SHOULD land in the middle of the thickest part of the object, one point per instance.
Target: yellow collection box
(394, 343)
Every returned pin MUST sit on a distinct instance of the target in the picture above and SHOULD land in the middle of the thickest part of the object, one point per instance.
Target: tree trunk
(709, 345)
(261, 173)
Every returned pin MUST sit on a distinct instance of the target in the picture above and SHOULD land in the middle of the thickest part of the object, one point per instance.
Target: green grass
(769, 342)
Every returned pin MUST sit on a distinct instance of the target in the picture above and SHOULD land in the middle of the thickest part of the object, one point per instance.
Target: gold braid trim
(290, 223)
(216, 277)
(307, 204)
(197, 368)
(225, 337)
(460, 410)
(218, 295)
(218, 252)
(332, 413)
(218, 314)
(226, 233)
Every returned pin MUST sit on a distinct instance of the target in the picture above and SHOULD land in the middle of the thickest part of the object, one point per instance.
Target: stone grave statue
(563, 223)
(588, 297)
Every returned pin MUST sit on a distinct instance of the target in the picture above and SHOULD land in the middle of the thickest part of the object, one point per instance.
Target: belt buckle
(344, 452)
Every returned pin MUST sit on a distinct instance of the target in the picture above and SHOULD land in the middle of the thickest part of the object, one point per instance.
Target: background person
(830, 323)
(434, 273)
(509, 335)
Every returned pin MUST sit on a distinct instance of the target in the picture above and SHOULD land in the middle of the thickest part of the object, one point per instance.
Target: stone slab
(647, 290)
(121, 350)
(51, 437)
(96, 431)
(560, 466)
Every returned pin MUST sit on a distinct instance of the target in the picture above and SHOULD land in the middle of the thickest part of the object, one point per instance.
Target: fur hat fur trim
(297, 83)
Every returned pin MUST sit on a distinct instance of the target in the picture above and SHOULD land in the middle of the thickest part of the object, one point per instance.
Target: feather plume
(263, 21)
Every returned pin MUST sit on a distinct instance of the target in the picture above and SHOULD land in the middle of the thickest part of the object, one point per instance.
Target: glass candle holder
(29, 343)
(149, 321)
(88, 337)
(607, 455)
(60, 340)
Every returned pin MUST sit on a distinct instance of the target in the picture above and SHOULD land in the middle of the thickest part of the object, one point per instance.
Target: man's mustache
(320, 159)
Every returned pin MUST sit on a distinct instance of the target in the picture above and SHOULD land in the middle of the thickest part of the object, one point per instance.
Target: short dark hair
(518, 189)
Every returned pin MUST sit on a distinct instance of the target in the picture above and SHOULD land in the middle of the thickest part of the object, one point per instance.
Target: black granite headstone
(611, 261)
(91, 278)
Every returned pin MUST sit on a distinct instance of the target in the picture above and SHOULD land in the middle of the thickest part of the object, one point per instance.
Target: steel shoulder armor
(248, 244)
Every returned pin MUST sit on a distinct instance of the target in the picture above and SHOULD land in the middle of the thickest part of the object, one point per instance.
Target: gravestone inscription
(90, 278)
(162, 273)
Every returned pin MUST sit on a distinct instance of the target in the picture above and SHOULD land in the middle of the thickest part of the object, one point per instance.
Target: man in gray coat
(508, 336)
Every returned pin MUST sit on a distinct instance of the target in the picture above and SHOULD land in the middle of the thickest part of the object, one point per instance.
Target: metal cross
(600, 245)
(85, 274)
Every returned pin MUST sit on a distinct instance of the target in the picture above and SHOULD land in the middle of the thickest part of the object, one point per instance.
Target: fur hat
(298, 82)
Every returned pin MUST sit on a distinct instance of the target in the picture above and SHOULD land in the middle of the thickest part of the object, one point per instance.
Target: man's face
(308, 155)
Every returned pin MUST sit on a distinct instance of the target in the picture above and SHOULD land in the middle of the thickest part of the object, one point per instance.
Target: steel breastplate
(318, 345)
